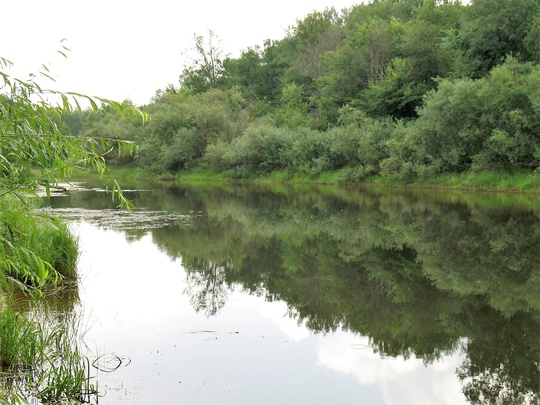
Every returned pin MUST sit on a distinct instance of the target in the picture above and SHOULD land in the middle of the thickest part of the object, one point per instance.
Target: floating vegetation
(61, 189)
(139, 218)
(122, 219)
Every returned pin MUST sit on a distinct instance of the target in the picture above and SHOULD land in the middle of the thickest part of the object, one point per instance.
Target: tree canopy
(435, 86)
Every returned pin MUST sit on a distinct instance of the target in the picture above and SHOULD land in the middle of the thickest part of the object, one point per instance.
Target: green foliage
(294, 111)
(493, 30)
(310, 152)
(448, 88)
(36, 251)
(361, 142)
(181, 152)
(489, 180)
(30, 138)
(206, 70)
(41, 358)
(421, 44)
(183, 125)
(261, 148)
(532, 39)
(258, 72)
(473, 125)
(108, 124)
(18, 340)
(310, 38)
(389, 58)
(396, 94)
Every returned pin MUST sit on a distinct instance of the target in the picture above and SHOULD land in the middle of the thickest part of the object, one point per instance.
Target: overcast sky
(130, 48)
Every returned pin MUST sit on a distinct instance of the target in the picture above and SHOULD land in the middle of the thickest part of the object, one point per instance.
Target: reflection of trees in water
(414, 274)
(494, 385)
(502, 367)
(206, 286)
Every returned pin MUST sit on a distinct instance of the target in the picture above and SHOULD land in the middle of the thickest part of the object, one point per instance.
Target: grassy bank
(523, 182)
(40, 358)
(490, 181)
(36, 252)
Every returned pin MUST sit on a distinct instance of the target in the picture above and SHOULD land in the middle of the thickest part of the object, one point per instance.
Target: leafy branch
(31, 141)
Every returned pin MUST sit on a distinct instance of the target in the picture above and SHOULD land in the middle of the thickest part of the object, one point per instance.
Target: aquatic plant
(42, 358)
(18, 340)
(40, 354)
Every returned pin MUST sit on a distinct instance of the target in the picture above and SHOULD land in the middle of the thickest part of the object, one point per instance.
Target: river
(236, 294)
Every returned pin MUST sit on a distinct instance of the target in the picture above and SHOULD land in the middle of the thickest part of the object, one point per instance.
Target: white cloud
(277, 311)
(400, 381)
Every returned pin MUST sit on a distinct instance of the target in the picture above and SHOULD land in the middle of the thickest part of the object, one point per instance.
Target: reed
(18, 339)
(41, 357)
(517, 182)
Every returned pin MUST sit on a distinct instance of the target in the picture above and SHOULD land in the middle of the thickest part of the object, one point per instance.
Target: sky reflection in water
(250, 352)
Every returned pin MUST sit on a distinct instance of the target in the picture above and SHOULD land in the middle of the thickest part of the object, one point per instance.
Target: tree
(183, 126)
(315, 35)
(206, 70)
(293, 112)
(485, 124)
(396, 94)
(258, 74)
(494, 29)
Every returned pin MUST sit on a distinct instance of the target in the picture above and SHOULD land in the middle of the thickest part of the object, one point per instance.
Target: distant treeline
(401, 88)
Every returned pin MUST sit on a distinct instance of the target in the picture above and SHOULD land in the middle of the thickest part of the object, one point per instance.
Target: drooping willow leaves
(34, 151)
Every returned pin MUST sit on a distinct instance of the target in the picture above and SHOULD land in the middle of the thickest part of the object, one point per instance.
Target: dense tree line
(400, 88)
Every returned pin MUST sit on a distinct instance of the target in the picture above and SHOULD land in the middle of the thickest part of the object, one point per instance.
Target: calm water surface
(300, 295)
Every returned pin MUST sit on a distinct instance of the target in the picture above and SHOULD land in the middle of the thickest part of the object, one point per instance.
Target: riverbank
(486, 181)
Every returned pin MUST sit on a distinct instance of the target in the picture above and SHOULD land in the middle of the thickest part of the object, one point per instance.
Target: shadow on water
(420, 273)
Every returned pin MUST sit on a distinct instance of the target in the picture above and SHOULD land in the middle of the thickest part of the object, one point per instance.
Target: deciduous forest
(406, 89)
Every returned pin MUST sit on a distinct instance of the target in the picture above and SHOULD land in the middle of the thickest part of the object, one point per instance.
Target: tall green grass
(36, 251)
(52, 242)
(18, 340)
(200, 174)
(41, 358)
(526, 181)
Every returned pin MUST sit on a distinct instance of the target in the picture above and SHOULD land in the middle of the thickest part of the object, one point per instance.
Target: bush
(181, 152)
(345, 141)
(310, 151)
(361, 141)
(486, 124)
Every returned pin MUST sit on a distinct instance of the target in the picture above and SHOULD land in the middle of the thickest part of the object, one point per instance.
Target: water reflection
(412, 278)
